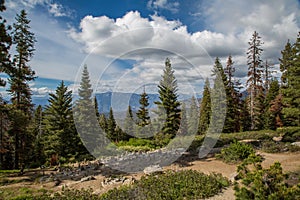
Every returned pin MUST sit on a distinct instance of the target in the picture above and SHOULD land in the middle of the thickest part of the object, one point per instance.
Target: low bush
(290, 134)
(259, 183)
(135, 148)
(278, 147)
(186, 184)
(235, 152)
(138, 142)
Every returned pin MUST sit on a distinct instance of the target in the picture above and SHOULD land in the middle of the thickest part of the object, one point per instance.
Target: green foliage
(183, 129)
(20, 74)
(111, 127)
(187, 184)
(290, 134)
(60, 135)
(143, 113)
(137, 144)
(270, 114)
(290, 67)
(193, 117)
(205, 109)
(275, 147)
(259, 183)
(84, 113)
(236, 152)
(5, 44)
(254, 82)
(168, 106)
(129, 123)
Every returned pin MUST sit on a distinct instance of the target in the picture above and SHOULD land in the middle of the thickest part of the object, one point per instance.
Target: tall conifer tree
(205, 109)
(85, 117)
(169, 104)
(20, 74)
(184, 121)
(129, 122)
(291, 91)
(254, 82)
(61, 137)
(143, 113)
(5, 44)
(193, 118)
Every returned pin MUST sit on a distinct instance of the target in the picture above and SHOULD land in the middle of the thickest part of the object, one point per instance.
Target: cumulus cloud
(163, 4)
(148, 41)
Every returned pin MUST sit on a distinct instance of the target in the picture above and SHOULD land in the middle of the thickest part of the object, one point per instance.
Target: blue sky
(125, 42)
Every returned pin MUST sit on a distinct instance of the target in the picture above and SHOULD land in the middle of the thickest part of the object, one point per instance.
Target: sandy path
(289, 161)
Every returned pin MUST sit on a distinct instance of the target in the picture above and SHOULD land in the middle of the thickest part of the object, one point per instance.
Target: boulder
(153, 169)
(296, 144)
(88, 178)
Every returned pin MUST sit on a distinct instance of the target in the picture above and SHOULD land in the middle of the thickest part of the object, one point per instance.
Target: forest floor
(30, 179)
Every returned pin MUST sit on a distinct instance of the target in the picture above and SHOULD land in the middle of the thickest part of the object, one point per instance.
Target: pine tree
(193, 119)
(18, 131)
(219, 122)
(111, 127)
(103, 122)
(229, 71)
(169, 104)
(143, 113)
(286, 62)
(85, 117)
(183, 130)
(96, 107)
(61, 136)
(254, 82)
(270, 116)
(205, 109)
(233, 99)
(129, 123)
(5, 144)
(275, 111)
(268, 70)
(20, 73)
(37, 129)
(5, 44)
(291, 92)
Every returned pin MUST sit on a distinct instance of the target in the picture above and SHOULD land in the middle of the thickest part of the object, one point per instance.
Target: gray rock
(153, 169)
(88, 178)
(233, 176)
(296, 144)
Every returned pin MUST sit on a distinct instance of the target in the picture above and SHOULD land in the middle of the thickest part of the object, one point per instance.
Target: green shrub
(259, 183)
(196, 143)
(278, 147)
(136, 148)
(188, 184)
(235, 152)
(290, 134)
(138, 142)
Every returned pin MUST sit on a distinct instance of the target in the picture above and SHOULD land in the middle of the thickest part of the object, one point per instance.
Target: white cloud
(55, 9)
(163, 4)
(58, 10)
(41, 91)
(149, 41)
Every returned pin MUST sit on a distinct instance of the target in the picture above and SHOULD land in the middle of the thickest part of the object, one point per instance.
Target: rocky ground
(100, 178)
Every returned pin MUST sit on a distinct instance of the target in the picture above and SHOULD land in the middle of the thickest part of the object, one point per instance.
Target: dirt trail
(289, 161)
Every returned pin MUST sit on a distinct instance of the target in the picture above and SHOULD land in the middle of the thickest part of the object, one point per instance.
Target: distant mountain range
(119, 101)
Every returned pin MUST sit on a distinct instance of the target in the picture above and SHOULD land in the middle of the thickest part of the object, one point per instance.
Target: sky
(125, 43)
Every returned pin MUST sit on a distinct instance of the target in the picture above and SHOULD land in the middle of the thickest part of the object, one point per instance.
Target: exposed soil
(290, 163)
